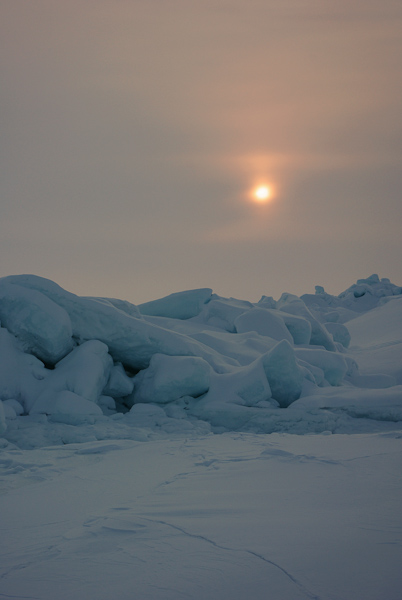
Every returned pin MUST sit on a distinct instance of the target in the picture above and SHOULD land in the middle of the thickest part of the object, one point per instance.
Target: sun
(262, 193)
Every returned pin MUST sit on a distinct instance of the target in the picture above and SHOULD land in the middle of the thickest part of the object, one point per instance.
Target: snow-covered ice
(199, 446)
(222, 516)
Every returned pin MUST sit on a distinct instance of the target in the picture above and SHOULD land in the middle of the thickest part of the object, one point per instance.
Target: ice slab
(169, 378)
(180, 305)
(264, 322)
(40, 324)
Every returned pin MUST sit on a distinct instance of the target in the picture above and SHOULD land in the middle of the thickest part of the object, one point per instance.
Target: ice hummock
(222, 364)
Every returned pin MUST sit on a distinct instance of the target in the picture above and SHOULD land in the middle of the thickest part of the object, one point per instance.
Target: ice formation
(197, 360)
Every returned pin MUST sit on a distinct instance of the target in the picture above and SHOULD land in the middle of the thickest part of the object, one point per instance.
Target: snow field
(233, 515)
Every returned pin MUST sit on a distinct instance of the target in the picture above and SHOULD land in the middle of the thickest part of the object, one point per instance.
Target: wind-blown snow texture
(229, 515)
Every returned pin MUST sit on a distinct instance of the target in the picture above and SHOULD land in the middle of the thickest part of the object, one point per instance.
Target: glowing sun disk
(262, 193)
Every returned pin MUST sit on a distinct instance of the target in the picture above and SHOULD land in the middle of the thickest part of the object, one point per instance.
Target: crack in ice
(251, 552)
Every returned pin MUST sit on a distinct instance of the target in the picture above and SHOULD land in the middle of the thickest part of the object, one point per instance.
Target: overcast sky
(132, 132)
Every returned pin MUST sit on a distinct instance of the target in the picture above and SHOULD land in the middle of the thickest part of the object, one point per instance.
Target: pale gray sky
(132, 132)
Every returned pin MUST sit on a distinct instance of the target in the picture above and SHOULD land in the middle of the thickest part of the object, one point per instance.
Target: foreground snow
(223, 516)
(210, 506)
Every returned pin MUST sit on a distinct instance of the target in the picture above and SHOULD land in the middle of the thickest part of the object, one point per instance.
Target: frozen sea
(200, 447)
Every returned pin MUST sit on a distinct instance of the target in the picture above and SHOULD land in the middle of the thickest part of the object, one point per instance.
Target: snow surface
(135, 456)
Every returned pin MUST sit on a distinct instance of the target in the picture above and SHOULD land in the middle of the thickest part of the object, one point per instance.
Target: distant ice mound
(196, 361)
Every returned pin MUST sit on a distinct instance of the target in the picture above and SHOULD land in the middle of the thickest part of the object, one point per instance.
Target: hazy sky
(132, 132)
